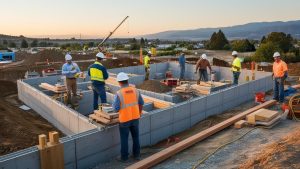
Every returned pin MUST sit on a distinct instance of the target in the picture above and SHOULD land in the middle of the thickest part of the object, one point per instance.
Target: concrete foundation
(91, 145)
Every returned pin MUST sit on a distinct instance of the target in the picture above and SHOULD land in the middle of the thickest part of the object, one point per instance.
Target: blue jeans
(203, 75)
(99, 90)
(182, 72)
(279, 89)
(236, 76)
(124, 128)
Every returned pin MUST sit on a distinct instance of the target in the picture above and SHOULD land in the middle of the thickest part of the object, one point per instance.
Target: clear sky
(96, 18)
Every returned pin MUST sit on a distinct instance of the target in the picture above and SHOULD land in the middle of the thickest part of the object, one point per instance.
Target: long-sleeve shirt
(117, 104)
(104, 71)
(181, 60)
(70, 70)
(203, 64)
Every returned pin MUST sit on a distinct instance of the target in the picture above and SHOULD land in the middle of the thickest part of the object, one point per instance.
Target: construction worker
(202, 65)
(147, 65)
(70, 69)
(181, 61)
(129, 103)
(279, 75)
(236, 68)
(98, 74)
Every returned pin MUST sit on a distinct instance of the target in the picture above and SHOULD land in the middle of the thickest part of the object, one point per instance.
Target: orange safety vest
(129, 108)
(279, 68)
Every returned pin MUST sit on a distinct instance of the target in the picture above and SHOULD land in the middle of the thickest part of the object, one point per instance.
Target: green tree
(218, 41)
(284, 42)
(263, 39)
(24, 44)
(265, 52)
(12, 45)
(242, 46)
(5, 43)
(34, 43)
(142, 42)
(91, 44)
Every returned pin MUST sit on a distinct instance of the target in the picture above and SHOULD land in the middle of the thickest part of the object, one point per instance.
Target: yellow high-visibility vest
(96, 74)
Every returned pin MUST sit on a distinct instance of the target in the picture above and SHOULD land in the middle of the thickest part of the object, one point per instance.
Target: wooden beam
(160, 104)
(172, 150)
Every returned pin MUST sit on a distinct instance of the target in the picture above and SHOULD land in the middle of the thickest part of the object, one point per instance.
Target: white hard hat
(276, 54)
(234, 53)
(149, 52)
(100, 55)
(203, 56)
(68, 57)
(122, 77)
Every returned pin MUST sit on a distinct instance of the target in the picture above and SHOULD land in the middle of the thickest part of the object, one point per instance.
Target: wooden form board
(52, 152)
(160, 104)
(54, 88)
(172, 150)
(262, 115)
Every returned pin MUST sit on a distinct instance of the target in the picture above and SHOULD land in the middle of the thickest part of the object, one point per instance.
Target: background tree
(34, 43)
(24, 44)
(242, 46)
(5, 43)
(142, 42)
(218, 41)
(12, 45)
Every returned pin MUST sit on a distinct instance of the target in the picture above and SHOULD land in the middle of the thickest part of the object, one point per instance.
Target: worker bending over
(71, 70)
(181, 61)
(236, 68)
(147, 65)
(98, 74)
(129, 103)
(202, 65)
(279, 75)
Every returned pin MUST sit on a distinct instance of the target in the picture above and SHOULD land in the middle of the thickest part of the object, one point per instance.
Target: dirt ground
(284, 153)
(19, 128)
(154, 86)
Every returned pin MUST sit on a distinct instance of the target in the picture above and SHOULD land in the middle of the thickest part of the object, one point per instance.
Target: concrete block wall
(62, 117)
(86, 149)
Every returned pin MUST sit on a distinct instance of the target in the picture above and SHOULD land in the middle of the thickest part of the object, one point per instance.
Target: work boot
(120, 159)
(137, 158)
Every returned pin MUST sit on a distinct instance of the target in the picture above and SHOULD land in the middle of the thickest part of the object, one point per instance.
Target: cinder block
(145, 139)
(99, 157)
(198, 117)
(181, 125)
(30, 160)
(243, 90)
(160, 134)
(214, 100)
(181, 111)
(69, 151)
(213, 111)
(161, 118)
(97, 142)
(229, 94)
(198, 105)
(144, 124)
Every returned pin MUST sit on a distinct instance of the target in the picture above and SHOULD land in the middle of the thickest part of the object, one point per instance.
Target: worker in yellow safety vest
(147, 65)
(98, 74)
(129, 103)
(236, 68)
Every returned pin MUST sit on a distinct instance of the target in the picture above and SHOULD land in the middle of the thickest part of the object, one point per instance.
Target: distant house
(180, 49)
(163, 46)
(199, 46)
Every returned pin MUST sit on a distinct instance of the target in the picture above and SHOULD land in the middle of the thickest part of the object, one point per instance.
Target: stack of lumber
(187, 88)
(263, 117)
(57, 88)
(159, 104)
(105, 118)
(212, 84)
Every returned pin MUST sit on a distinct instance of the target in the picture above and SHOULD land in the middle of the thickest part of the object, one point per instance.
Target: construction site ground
(250, 150)
(19, 128)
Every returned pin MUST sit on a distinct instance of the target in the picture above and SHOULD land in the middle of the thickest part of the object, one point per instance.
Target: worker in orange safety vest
(279, 75)
(129, 103)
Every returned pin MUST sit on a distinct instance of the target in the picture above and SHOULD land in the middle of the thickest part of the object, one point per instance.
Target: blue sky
(96, 18)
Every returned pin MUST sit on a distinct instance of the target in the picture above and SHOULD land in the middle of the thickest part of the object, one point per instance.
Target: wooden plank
(265, 115)
(156, 102)
(104, 120)
(240, 124)
(172, 150)
(269, 123)
(106, 115)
